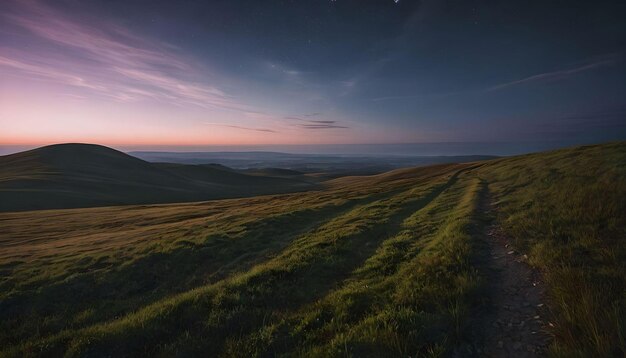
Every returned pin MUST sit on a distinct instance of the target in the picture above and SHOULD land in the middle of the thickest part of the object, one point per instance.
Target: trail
(515, 324)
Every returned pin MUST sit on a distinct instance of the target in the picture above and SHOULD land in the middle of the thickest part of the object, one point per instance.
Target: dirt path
(514, 325)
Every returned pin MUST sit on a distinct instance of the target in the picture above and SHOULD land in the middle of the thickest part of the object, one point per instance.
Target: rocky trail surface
(516, 324)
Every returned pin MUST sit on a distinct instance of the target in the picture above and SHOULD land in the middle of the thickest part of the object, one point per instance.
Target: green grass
(369, 266)
(76, 175)
(567, 209)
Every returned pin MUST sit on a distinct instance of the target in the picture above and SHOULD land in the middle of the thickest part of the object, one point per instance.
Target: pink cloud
(107, 60)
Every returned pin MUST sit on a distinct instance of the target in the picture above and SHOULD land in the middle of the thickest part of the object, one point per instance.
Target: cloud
(320, 126)
(287, 73)
(313, 123)
(347, 86)
(309, 120)
(413, 96)
(242, 127)
(542, 77)
(555, 75)
(49, 73)
(105, 59)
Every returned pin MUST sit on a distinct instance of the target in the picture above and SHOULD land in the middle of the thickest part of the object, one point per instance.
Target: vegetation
(369, 266)
(567, 209)
(72, 175)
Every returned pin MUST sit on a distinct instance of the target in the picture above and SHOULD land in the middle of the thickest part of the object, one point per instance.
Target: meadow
(382, 265)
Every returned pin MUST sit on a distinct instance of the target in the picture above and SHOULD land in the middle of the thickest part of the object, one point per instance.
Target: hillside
(85, 175)
(520, 255)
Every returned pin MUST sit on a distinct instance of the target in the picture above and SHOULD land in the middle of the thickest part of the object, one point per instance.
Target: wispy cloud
(415, 96)
(347, 87)
(106, 59)
(542, 77)
(556, 75)
(306, 123)
(266, 130)
(286, 73)
(319, 121)
(49, 73)
(320, 126)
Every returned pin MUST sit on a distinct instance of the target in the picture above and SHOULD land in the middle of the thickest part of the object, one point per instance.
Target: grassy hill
(385, 265)
(85, 175)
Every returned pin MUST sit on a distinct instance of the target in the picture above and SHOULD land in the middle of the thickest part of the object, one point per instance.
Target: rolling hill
(86, 175)
(515, 256)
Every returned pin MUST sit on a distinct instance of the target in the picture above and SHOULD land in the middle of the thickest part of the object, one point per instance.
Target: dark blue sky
(309, 72)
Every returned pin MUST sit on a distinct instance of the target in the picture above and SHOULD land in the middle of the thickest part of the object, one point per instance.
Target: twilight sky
(229, 72)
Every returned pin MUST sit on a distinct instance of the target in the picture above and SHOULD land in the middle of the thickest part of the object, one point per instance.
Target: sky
(190, 74)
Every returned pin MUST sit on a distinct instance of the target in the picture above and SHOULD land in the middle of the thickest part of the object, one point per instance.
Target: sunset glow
(73, 72)
(312, 178)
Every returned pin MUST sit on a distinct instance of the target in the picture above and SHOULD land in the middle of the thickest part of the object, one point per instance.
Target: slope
(387, 265)
(84, 175)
